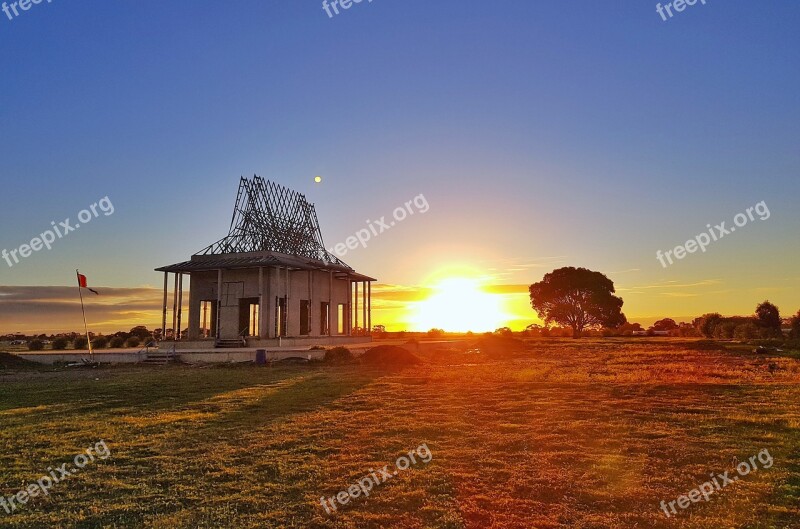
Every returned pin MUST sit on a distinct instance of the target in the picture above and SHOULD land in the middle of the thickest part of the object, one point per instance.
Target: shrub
(502, 331)
(339, 355)
(706, 323)
(389, 355)
(724, 331)
(35, 345)
(133, 341)
(770, 333)
(746, 331)
(80, 343)
(141, 332)
(59, 344)
(117, 342)
(100, 342)
(794, 322)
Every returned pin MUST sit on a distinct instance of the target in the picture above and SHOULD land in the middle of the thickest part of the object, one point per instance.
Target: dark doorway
(324, 318)
(208, 318)
(305, 317)
(248, 317)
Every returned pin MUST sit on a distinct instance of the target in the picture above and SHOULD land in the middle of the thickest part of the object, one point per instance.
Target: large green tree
(578, 298)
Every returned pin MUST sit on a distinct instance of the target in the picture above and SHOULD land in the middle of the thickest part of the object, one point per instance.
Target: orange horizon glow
(454, 299)
(459, 304)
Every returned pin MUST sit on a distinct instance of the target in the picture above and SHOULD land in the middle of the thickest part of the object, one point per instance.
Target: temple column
(175, 305)
(261, 319)
(164, 308)
(364, 306)
(180, 306)
(311, 304)
(285, 331)
(219, 302)
(348, 329)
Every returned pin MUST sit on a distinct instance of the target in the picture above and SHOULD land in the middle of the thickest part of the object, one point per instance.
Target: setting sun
(459, 305)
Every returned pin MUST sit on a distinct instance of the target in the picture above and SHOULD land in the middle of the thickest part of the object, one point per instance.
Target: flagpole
(85, 327)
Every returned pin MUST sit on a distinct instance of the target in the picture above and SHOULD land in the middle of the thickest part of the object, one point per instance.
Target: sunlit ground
(569, 434)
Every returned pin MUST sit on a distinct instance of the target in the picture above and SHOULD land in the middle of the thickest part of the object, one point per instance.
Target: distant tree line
(581, 302)
(765, 324)
(136, 337)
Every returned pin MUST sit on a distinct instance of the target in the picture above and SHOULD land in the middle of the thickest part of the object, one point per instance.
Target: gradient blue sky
(542, 134)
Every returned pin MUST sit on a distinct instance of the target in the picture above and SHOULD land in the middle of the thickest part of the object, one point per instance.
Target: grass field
(582, 434)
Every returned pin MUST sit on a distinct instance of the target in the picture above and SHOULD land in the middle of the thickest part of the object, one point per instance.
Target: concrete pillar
(164, 308)
(348, 329)
(175, 306)
(364, 306)
(180, 306)
(331, 308)
(286, 301)
(219, 301)
(261, 318)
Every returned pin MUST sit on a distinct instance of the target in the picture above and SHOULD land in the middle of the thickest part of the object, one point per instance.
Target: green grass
(588, 434)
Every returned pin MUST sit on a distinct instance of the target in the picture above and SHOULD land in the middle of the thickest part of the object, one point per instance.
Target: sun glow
(459, 305)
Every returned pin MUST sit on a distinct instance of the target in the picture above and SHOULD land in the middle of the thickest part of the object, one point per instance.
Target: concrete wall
(258, 343)
(130, 357)
(316, 286)
(233, 355)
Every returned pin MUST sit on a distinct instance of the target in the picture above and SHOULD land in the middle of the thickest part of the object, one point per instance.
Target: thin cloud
(51, 309)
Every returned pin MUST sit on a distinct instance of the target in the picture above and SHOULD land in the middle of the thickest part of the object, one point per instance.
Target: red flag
(82, 283)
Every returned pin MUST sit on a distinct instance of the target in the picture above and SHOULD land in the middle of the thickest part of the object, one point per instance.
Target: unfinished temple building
(270, 281)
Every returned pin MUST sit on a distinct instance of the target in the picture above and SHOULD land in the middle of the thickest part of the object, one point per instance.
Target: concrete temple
(270, 281)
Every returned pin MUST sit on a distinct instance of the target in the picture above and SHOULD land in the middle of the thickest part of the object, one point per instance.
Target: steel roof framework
(269, 217)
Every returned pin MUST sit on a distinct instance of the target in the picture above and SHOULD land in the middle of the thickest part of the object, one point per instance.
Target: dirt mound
(10, 361)
(339, 356)
(390, 355)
